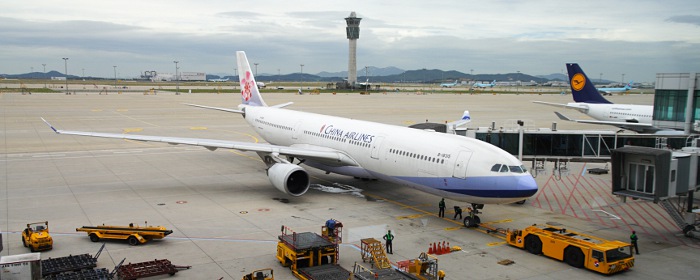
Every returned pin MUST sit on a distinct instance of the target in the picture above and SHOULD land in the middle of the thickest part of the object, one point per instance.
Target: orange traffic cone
(444, 248)
(439, 249)
(448, 249)
(430, 249)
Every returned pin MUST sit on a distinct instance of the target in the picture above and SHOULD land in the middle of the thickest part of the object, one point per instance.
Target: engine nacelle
(289, 178)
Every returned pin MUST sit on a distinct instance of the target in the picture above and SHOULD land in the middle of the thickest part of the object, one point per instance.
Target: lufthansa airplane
(588, 100)
(450, 166)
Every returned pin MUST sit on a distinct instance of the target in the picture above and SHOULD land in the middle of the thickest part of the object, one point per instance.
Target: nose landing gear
(472, 220)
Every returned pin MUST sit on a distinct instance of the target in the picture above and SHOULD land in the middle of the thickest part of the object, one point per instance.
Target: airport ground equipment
(310, 255)
(36, 236)
(260, 274)
(96, 273)
(147, 269)
(54, 266)
(21, 266)
(133, 234)
(425, 267)
(577, 249)
(372, 251)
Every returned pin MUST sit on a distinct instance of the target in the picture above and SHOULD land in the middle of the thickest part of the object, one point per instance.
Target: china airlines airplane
(450, 166)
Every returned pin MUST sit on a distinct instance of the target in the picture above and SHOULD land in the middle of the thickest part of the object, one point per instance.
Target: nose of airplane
(527, 185)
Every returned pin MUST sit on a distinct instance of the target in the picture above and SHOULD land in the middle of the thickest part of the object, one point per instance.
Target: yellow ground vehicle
(36, 236)
(260, 274)
(133, 234)
(310, 255)
(576, 249)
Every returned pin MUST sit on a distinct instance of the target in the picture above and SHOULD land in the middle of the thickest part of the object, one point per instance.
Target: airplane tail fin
(466, 116)
(582, 88)
(250, 95)
(629, 85)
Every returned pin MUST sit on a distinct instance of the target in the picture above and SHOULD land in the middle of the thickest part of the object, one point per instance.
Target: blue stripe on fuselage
(487, 186)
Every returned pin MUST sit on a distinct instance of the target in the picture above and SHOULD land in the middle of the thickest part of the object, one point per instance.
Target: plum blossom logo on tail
(247, 85)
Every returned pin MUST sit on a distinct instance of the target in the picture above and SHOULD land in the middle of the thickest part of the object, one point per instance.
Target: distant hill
(38, 75)
(372, 71)
(376, 75)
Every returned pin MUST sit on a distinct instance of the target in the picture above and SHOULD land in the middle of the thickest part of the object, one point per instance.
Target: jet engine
(289, 178)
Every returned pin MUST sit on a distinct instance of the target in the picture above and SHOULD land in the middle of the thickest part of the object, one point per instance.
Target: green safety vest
(389, 237)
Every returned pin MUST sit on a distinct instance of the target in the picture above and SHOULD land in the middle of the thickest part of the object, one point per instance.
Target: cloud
(689, 19)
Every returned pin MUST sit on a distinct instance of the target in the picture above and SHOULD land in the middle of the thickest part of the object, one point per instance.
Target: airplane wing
(626, 125)
(320, 154)
(581, 107)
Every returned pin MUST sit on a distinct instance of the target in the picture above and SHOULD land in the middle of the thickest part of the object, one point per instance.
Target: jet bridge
(663, 176)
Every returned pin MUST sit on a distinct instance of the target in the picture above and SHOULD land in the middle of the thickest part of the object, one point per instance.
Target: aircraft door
(297, 130)
(460, 169)
(376, 145)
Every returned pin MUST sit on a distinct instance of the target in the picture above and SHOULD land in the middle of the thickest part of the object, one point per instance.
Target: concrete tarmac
(226, 216)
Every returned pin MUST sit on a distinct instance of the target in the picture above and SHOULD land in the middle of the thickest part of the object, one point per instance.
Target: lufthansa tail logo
(578, 81)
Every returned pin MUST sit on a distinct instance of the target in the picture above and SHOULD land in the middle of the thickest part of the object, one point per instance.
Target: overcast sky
(638, 38)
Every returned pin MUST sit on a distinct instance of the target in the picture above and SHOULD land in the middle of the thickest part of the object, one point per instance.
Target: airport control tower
(353, 32)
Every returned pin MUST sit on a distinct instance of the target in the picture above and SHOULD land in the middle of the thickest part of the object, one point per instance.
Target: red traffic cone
(448, 248)
(430, 249)
(444, 248)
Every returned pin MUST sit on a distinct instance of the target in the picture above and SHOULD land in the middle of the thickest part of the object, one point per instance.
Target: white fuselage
(616, 112)
(450, 166)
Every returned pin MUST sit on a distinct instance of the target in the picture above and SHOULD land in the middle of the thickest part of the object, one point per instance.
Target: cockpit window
(496, 167)
(504, 168)
(516, 169)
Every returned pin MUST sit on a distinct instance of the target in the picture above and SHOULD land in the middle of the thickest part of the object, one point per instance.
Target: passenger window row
(417, 156)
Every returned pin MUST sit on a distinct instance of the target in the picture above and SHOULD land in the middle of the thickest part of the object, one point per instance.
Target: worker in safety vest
(634, 238)
(389, 237)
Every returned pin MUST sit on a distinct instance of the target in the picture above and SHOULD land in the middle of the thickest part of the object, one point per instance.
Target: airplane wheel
(133, 241)
(469, 222)
(94, 237)
(477, 221)
(521, 202)
(24, 242)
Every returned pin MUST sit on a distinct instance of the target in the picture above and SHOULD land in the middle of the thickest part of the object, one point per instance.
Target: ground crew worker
(458, 211)
(634, 239)
(389, 237)
(441, 213)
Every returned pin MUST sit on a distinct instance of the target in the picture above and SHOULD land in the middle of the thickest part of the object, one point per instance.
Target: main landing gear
(472, 220)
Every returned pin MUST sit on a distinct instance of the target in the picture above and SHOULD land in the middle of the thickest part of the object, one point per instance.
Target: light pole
(256, 69)
(115, 76)
(623, 79)
(302, 77)
(177, 80)
(44, 64)
(517, 88)
(65, 63)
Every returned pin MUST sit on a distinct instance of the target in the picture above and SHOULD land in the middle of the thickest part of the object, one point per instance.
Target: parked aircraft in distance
(260, 84)
(218, 80)
(446, 165)
(482, 85)
(590, 102)
(449, 85)
(609, 91)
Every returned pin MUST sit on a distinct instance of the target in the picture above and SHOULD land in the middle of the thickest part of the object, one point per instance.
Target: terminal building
(677, 102)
